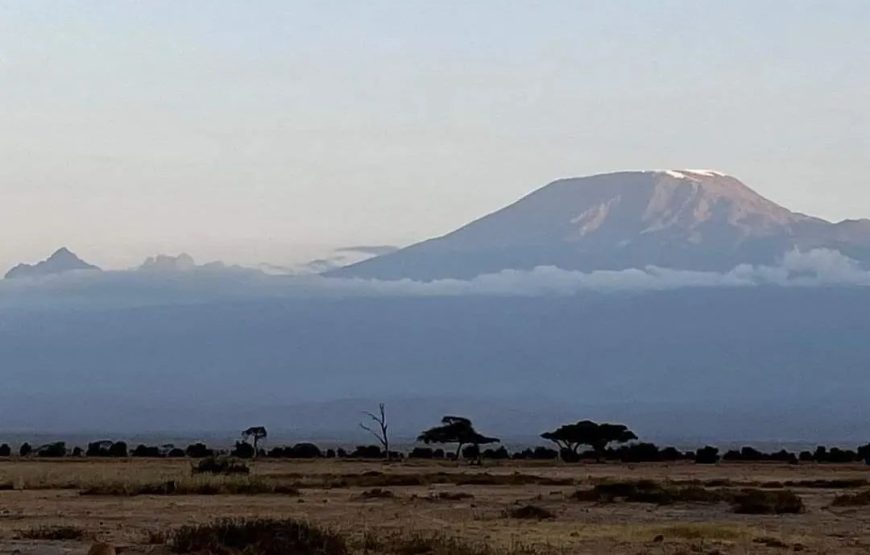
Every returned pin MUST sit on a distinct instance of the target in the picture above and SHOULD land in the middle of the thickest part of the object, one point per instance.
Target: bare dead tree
(379, 431)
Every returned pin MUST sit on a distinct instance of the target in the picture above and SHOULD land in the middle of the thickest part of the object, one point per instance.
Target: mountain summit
(63, 260)
(687, 219)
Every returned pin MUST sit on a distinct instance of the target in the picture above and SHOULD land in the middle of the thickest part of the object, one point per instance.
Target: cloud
(372, 250)
(126, 289)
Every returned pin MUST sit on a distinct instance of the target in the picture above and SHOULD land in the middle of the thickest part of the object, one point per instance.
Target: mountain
(165, 263)
(63, 260)
(685, 219)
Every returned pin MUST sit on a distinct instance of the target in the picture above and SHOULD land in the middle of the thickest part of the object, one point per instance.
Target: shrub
(243, 450)
(421, 453)
(198, 451)
(220, 465)
(530, 512)
(367, 452)
(639, 452)
(146, 451)
(98, 449)
(25, 450)
(118, 450)
(471, 452)
(707, 455)
(861, 499)
(760, 502)
(52, 450)
(261, 537)
(5, 450)
(175, 453)
(499, 454)
(671, 454)
(648, 491)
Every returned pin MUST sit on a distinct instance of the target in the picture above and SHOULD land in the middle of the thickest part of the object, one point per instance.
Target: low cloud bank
(815, 268)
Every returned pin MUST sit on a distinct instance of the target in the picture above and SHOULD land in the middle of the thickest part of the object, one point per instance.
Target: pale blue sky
(271, 131)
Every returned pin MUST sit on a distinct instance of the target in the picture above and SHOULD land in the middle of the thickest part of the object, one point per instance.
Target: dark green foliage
(637, 453)
(367, 452)
(255, 433)
(760, 502)
(5, 450)
(98, 448)
(146, 451)
(707, 455)
(118, 450)
(298, 451)
(571, 437)
(198, 451)
(25, 450)
(243, 450)
(471, 452)
(259, 537)
(864, 453)
(500, 454)
(458, 430)
(52, 450)
(421, 453)
(221, 465)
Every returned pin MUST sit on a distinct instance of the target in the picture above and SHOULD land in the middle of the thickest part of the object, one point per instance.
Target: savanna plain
(342, 506)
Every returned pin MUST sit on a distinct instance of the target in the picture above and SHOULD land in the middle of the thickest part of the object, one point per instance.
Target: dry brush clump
(760, 502)
(861, 499)
(433, 544)
(529, 512)
(53, 533)
(743, 501)
(257, 537)
(221, 465)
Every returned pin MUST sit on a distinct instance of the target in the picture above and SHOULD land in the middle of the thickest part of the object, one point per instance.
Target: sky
(275, 131)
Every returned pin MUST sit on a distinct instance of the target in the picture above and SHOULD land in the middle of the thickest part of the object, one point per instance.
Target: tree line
(581, 441)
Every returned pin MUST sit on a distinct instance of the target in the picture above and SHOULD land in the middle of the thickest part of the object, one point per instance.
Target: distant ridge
(63, 260)
(685, 219)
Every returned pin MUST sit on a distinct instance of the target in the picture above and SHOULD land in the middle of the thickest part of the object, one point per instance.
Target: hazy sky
(257, 131)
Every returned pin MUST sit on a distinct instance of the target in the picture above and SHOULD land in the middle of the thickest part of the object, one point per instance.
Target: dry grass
(199, 485)
(441, 508)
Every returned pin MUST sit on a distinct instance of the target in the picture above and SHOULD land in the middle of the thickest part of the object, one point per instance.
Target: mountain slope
(61, 261)
(689, 219)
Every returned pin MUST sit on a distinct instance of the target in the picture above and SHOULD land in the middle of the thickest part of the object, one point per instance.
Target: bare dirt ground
(428, 498)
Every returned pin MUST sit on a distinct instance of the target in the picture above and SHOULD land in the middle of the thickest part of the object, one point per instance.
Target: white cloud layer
(819, 267)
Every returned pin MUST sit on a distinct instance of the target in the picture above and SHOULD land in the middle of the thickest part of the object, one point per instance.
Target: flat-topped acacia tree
(571, 437)
(458, 430)
(256, 433)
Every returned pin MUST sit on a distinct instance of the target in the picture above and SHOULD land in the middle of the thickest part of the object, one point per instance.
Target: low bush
(760, 502)
(221, 465)
(53, 533)
(257, 537)
(530, 512)
(861, 499)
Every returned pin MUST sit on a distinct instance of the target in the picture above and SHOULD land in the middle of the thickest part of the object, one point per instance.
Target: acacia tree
(571, 437)
(256, 433)
(380, 419)
(455, 429)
